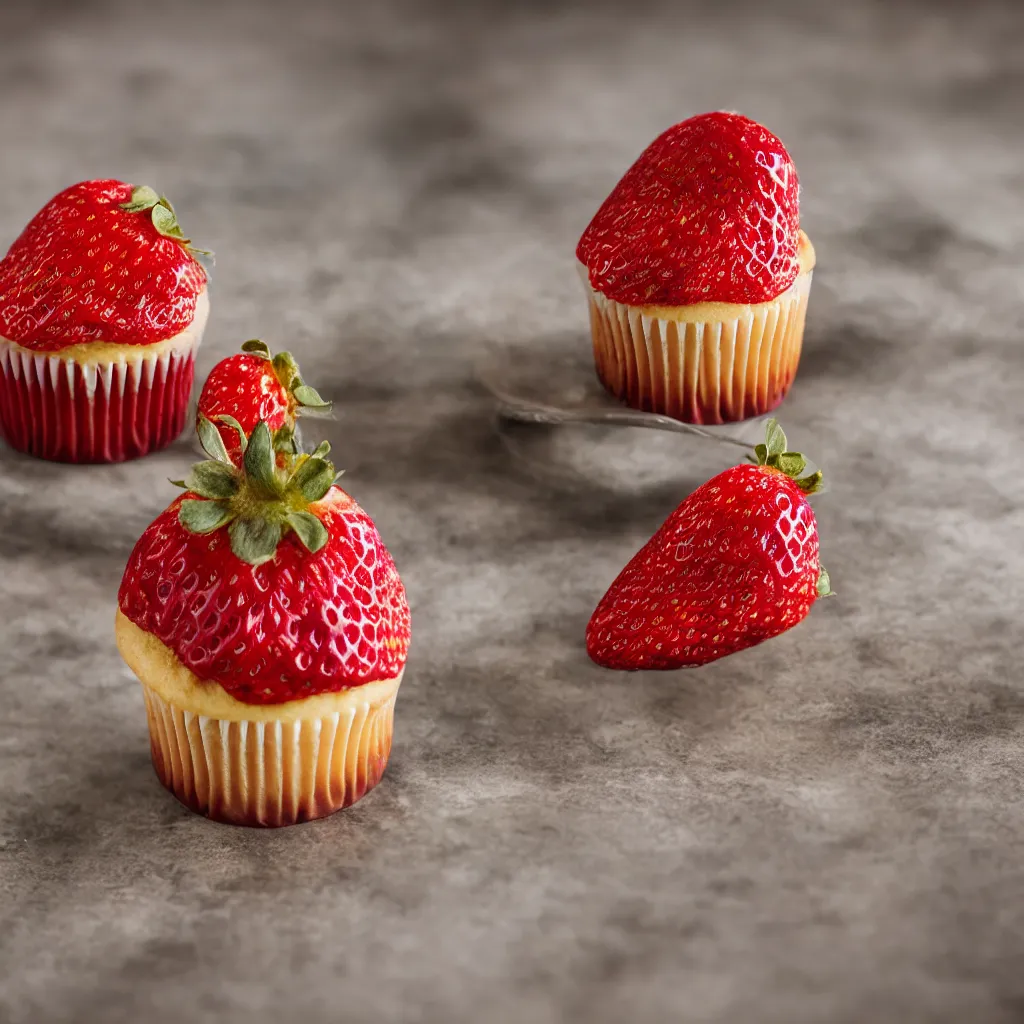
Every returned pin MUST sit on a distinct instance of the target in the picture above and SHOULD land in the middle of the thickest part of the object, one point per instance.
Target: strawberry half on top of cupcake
(255, 385)
(269, 628)
(102, 308)
(698, 275)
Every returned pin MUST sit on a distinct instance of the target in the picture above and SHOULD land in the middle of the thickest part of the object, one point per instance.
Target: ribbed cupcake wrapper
(270, 773)
(715, 371)
(66, 411)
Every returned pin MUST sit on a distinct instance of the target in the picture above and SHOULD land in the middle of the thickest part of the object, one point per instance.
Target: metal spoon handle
(514, 408)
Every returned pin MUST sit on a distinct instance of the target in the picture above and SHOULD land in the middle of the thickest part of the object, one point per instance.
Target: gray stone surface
(826, 828)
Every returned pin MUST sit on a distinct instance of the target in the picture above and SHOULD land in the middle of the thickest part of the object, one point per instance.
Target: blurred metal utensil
(514, 407)
(567, 393)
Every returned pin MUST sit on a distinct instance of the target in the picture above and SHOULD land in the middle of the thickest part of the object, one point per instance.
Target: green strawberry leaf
(254, 540)
(284, 441)
(313, 478)
(811, 483)
(212, 442)
(257, 500)
(312, 412)
(824, 584)
(230, 421)
(308, 398)
(212, 480)
(143, 198)
(179, 483)
(303, 471)
(791, 463)
(775, 438)
(167, 224)
(760, 454)
(203, 516)
(309, 530)
(257, 347)
(259, 458)
(286, 368)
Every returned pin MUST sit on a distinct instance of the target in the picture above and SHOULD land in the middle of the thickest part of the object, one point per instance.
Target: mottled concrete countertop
(827, 828)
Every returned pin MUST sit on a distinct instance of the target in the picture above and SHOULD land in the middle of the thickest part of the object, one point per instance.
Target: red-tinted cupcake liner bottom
(66, 411)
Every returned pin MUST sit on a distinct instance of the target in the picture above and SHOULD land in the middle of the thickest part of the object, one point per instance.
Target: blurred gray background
(825, 828)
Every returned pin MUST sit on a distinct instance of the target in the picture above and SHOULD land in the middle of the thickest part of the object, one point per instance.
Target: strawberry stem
(303, 399)
(774, 453)
(162, 214)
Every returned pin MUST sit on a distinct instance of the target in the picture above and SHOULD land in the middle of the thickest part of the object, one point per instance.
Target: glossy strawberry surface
(86, 270)
(708, 213)
(247, 387)
(735, 564)
(297, 625)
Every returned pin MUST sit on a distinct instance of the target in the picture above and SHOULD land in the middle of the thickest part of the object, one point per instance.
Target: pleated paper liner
(700, 371)
(274, 773)
(65, 411)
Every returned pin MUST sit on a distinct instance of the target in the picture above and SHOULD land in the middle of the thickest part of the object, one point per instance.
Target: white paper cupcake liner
(272, 773)
(700, 371)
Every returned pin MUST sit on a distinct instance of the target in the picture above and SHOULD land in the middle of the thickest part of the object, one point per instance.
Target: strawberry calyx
(775, 454)
(165, 220)
(259, 500)
(302, 399)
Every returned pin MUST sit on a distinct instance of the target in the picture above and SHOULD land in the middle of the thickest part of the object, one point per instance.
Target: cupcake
(255, 385)
(102, 308)
(698, 274)
(269, 628)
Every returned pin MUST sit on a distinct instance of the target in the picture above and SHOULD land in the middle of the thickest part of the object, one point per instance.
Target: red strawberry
(255, 386)
(101, 261)
(271, 582)
(735, 564)
(707, 213)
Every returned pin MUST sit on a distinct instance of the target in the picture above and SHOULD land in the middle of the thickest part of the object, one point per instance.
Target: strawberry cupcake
(698, 275)
(255, 385)
(102, 308)
(269, 628)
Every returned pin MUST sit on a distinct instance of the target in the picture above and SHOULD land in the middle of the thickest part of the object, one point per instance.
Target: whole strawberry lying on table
(735, 564)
